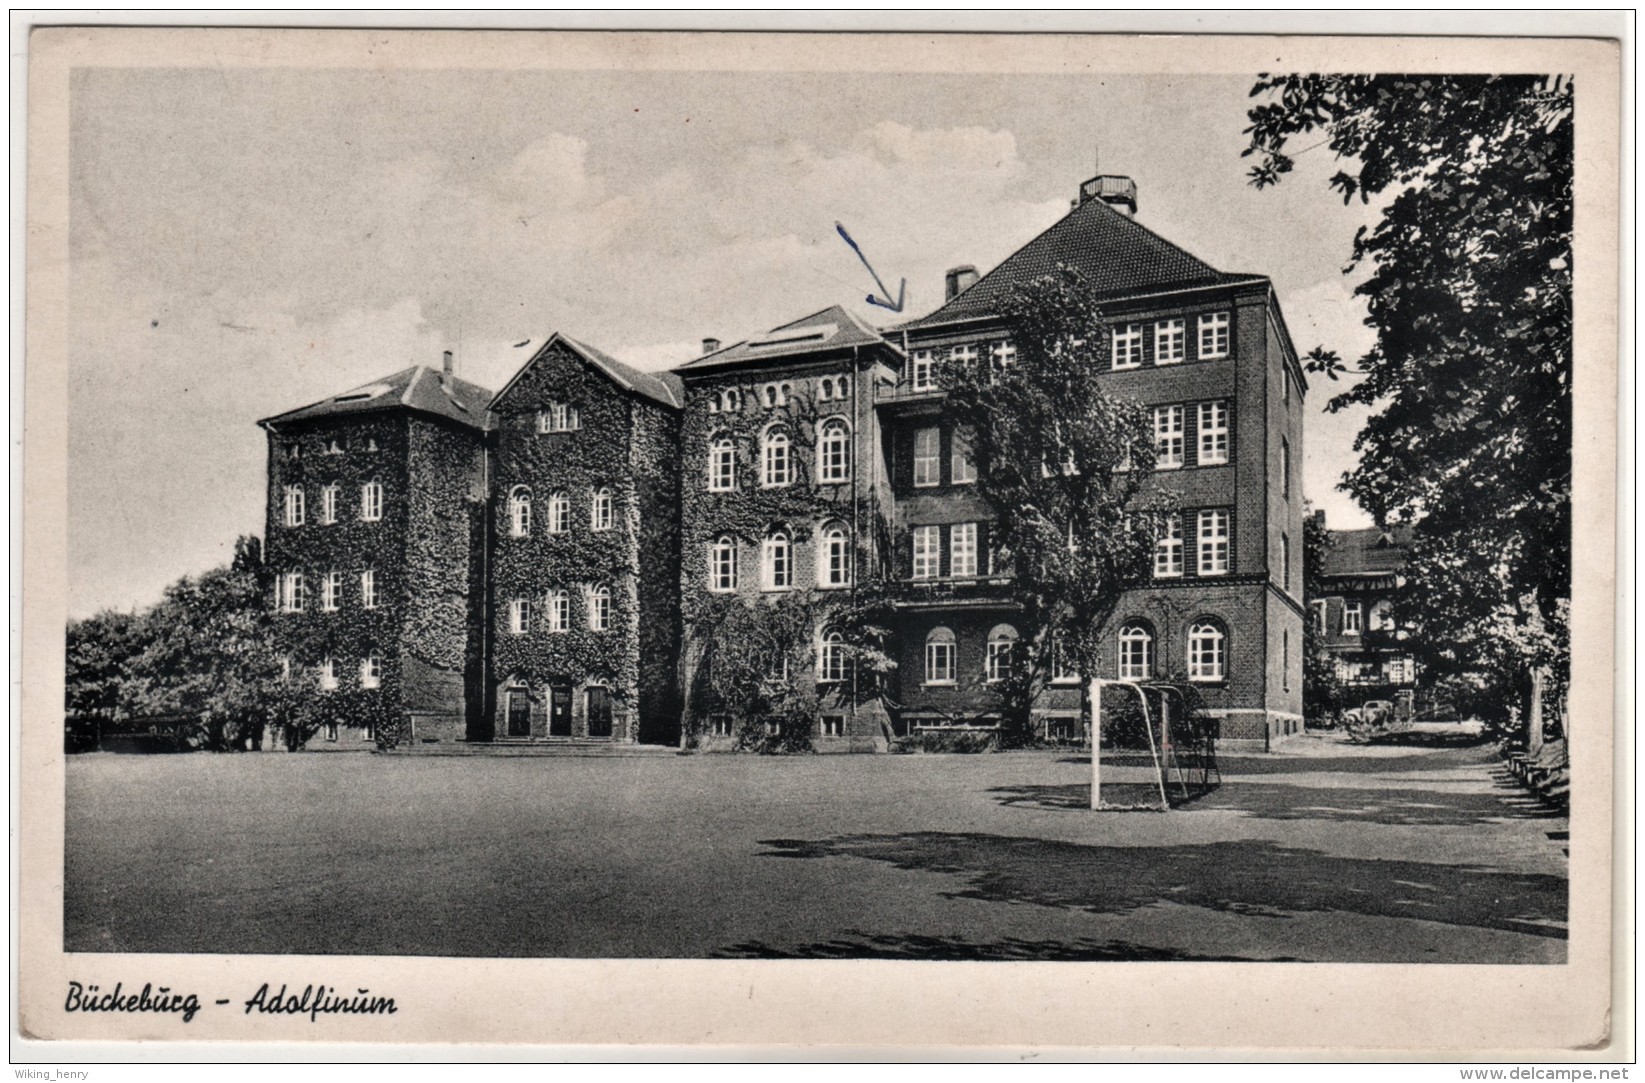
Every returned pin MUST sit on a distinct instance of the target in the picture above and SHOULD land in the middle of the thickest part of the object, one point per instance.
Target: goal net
(1155, 748)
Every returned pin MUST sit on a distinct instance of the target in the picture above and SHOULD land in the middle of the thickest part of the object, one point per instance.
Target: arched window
(777, 463)
(601, 515)
(722, 564)
(519, 512)
(1207, 651)
(1136, 652)
(834, 557)
(559, 513)
(939, 656)
(559, 610)
(777, 561)
(831, 658)
(371, 501)
(599, 609)
(834, 451)
(371, 671)
(328, 504)
(722, 464)
(1002, 644)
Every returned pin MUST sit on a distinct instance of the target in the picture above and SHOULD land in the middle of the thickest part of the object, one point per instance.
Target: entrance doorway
(519, 713)
(559, 711)
(599, 712)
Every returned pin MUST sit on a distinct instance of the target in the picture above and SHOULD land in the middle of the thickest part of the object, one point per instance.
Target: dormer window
(558, 417)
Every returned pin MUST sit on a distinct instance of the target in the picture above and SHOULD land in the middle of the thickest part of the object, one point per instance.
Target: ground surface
(1330, 851)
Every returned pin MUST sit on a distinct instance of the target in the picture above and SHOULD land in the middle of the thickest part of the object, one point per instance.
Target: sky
(246, 242)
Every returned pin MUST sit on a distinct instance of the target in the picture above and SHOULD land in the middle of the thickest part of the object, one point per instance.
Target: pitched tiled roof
(831, 329)
(1371, 551)
(1115, 252)
(661, 387)
(417, 388)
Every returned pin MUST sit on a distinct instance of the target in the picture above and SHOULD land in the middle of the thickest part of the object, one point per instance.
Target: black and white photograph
(654, 501)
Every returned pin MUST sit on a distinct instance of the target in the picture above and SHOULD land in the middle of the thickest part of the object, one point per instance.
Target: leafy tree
(1051, 444)
(101, 649)
(1469, 292)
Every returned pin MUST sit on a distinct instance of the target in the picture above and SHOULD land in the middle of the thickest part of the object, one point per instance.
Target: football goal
(1151, 748)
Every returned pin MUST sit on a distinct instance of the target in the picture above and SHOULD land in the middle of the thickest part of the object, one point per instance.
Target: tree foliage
(1052, 444)
(1322, 692)
(1469, 381)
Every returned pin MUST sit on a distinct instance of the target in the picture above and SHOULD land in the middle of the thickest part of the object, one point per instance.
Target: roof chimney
(711, 345)
(450, 363)
(1118, 192)
(958, 280)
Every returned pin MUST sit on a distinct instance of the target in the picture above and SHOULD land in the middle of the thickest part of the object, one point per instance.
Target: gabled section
(418, 388)
(833, 328)
(663, 388)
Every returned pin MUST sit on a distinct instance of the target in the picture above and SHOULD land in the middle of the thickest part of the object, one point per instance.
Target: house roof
(833, 328)
(418, 388)
(1116, 253)
(1370, 551)
(661, 387)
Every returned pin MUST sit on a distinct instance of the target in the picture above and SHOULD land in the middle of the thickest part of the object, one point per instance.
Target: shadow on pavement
(858, 945)
(1250, 877)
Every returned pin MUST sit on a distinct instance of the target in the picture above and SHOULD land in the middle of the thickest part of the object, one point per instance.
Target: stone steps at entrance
(557, 746)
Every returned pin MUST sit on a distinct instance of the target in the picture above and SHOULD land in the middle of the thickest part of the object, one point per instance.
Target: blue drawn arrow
(885, 302)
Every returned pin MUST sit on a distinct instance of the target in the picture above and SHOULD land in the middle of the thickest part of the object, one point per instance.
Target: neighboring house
(374, 534)
(584, 573)
(1209, 351)
(1362, 569)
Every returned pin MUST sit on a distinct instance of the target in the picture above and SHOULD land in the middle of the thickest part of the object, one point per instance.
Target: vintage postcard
(872, 540)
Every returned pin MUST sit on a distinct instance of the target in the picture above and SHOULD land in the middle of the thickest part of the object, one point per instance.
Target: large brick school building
(526, 566)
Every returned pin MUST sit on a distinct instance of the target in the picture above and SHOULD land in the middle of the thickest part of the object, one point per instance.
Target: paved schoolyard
(1329, 852)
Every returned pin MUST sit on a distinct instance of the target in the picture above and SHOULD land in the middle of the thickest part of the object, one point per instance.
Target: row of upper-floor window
(295, 503)
(326, 670)
(777, 464)
(557, 609)
(776, 395)
(778, 550)
(1206, 649)
(335, 445)
(291, 591)
(601, 511)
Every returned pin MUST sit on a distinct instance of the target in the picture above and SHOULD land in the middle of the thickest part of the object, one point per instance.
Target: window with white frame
(559, 512)
(834, 557)
(963, 358)
(519, 512)
(599, 609)
(777, 561)
(1207, 651)
(1168, 547)
(285, 667)
(558, 417)
(519, 616)
(778, 666)
(939, 656)
(1062, 662)
(559, 610)
(371, 671)
(1213, 433)
(602, 514)
(962, 551)
(294, 505)
(368, 589)
(725, 401)
(1002, 643)
(1213, 335)
(371, 501)
(1004, 356)
(722, 564)
(1136, 652)
(962, 464)
(1168, 437)
(331, 591)
(1213, 542)
(1127, 346)
(831, 661)
(722, 464)
(834, 451)
(842, 387)
(777, 465)
(924, 365)
(328, 504)
(328, 673)
(294, 593)
(1170, 342)
(1353, 618)
(927, 551)
(927, 457)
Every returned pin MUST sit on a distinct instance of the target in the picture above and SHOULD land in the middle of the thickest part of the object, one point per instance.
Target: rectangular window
(927, 551)
(331, 591)
(599, 609)
(962, 553)
(371, 501)
(1285, 468)
(1213, 335)
(1213, 542)
(1168, 437)
(722, 565)
(927, 457)
(294, 505)
(1168, 548)
(1353, 618)
(558, 417)
(368, 589)
(1004, 355)
(328, 505)
(939, 661)
(1319, 616)
(328, 675)
(1127, 349)
(924, 364)
(963, 358)
(559, 610)
(722, 465)
(371, 672)
(1285, 661)
(1062, 666)
(1285, 561)
(833, 725)
(962, 467)
(1170, 342)
(519, 616)
(1213, 433)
